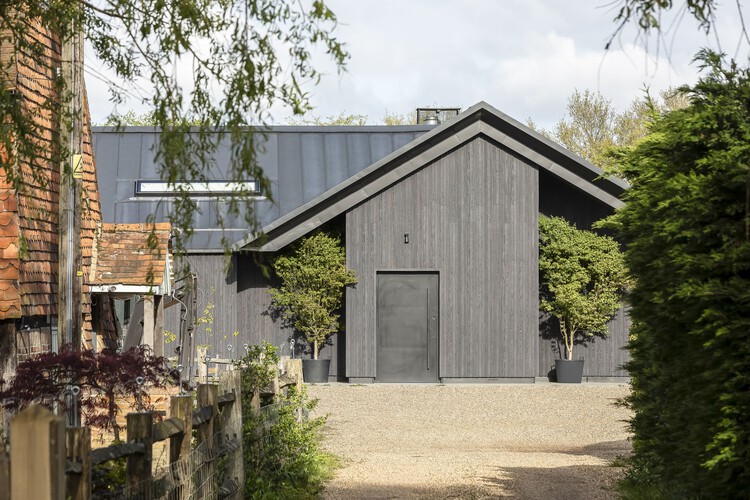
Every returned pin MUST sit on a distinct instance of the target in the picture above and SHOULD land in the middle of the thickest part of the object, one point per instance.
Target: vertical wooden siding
(255, 324)
(240, 298)
(604, 357)
(472, 216)
(218, 286)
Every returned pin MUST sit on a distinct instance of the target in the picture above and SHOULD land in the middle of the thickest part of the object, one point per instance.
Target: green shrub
(282, 453)
(313, 278)
(582, 278)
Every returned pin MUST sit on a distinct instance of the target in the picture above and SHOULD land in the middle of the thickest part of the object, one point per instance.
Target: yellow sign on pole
(78, 166)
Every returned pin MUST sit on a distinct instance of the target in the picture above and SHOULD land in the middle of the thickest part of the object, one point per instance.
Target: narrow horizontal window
(208, 188)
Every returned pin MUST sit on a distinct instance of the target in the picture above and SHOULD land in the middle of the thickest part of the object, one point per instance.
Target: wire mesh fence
(200, 475)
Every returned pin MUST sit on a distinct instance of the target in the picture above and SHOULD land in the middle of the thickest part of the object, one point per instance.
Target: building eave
(481, 120)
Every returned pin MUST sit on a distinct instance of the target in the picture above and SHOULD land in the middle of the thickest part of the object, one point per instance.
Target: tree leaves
(313, 278)
(582, 277)
(685, 225)
(246, 56)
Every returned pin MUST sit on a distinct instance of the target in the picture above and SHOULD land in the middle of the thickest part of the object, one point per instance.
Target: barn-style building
(440, 225)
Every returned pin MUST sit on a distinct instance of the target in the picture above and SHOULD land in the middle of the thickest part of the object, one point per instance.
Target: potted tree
(313, 277)
(582, 279)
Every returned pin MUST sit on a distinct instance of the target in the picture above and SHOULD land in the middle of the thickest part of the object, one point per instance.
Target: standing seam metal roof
(301, 163)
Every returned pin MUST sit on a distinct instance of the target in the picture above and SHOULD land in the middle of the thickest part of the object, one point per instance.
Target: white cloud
(524, 57)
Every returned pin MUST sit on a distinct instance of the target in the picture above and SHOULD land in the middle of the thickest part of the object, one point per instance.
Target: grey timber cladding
(471, 215)
(238, 296)
(300, 162)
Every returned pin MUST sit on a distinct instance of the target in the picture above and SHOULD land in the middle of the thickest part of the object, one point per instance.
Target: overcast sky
(525, 57)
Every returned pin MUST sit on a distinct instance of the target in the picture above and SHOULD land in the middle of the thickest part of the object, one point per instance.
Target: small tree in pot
(582, 280)
(313, 278)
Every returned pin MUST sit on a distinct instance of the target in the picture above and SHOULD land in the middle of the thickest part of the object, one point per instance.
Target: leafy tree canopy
(582, 278)
(246, 55)
(594, 129)
(313, 278)
(344, 118)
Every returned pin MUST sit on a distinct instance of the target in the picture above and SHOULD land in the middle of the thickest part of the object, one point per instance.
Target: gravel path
(536, 441)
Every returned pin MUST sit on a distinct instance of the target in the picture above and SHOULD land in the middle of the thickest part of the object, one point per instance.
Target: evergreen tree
(687, 227)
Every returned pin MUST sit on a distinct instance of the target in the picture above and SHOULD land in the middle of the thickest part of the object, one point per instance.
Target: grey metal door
(408, 326)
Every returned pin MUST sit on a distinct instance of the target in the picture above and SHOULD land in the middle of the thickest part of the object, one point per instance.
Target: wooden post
(207, 396)
(37, 455)
(140, 430)
(294, 371)
(179, 445)
(148, 321)
(70, 276)
(158, 325)
(275, 382)
(231, 428)
(202, 365)
(78, 450)
(4, 473)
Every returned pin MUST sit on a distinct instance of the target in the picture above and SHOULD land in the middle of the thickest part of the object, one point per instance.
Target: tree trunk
(315, 349)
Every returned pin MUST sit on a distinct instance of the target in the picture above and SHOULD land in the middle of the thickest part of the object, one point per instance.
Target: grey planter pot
(315, 371)
(569, 371)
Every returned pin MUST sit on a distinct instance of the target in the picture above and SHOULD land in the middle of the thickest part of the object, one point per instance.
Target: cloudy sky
(524, 57)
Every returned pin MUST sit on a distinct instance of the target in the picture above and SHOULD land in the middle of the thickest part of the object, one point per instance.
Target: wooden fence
(48, 461)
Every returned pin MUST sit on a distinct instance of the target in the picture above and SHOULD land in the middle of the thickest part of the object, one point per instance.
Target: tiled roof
(122, 255)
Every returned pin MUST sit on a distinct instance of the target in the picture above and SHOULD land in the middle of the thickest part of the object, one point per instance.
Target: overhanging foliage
(245, 56)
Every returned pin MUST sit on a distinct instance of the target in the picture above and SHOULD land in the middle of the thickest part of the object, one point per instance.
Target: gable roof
(481, 120)
(124, 262)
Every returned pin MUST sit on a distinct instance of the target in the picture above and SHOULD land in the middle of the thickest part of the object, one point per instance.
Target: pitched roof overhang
(130, 259)
(481, 120)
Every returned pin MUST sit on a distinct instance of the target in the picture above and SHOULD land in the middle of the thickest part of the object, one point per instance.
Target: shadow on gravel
(607, 450)
(585, 482)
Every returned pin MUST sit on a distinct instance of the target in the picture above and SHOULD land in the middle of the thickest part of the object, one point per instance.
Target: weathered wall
(472, 216)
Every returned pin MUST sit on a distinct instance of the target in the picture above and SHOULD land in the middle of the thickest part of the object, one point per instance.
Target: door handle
(427, 329)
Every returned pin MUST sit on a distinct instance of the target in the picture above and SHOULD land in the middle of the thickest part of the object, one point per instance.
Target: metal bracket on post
(139, 381)
(180, 368)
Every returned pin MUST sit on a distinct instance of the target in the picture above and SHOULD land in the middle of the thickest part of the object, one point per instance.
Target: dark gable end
(481, 120)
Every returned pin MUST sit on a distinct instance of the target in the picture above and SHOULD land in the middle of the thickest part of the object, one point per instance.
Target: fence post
(37, 455)
(4, 472)
(140, 430)
(231, 428)
(78, 449)
(294, 371)
(207, 396)
(179, 445)
(202, 365)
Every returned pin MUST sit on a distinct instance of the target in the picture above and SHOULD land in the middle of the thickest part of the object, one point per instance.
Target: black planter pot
(569, 371)
(315, 371)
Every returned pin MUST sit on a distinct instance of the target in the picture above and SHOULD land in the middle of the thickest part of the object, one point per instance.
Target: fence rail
(48, 461)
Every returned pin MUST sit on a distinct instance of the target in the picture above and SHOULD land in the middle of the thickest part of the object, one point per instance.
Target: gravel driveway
(535, 441)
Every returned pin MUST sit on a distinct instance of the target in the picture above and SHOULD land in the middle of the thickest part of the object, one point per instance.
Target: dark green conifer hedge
(687, 227)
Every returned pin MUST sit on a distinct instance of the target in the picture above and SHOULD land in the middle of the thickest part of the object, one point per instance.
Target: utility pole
(70, 274)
